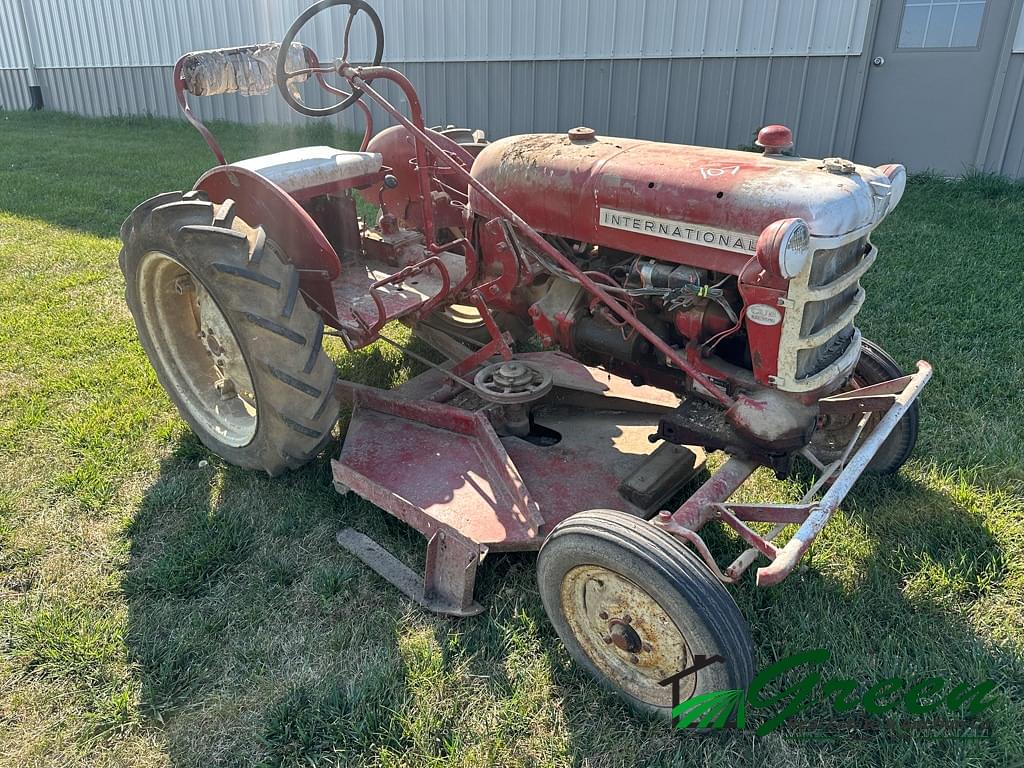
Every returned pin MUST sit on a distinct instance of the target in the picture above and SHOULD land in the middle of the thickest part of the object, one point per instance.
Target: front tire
(634, 606)
(875, 366)
(218, 312)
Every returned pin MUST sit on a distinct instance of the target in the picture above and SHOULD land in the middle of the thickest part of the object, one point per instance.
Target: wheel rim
(462, 316)
(626, 633)
(834, 432)
(197, 349)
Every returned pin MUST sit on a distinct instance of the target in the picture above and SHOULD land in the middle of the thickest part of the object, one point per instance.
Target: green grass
(158, 607)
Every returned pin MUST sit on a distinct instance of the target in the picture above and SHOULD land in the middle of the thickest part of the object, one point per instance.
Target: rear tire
(218, 312)
(875, 366)
(605, 573)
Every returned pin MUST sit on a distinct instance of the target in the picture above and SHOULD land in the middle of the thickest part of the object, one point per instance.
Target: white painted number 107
(710, 173)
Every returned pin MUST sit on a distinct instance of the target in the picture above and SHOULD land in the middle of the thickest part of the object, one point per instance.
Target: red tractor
(609, 310)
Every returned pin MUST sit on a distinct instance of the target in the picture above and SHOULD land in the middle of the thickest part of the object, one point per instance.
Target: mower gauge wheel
(283, 76)
(634, 607)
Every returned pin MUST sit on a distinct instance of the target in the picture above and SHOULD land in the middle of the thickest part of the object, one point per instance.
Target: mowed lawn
(158, 607)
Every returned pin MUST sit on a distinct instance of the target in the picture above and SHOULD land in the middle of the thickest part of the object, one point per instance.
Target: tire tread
(689, 577)
(280, 334)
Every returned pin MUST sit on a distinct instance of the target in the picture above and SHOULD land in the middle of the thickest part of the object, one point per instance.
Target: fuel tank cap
(581, 133)
(838, 165)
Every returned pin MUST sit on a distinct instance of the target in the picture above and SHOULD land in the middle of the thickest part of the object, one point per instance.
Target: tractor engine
(750, 263)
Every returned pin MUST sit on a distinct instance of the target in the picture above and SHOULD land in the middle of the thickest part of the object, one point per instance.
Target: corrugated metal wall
(700, 71)
(708, 71)
(13, 58)
(101, 33)
(13, 89)
(1006, 147)
(12, 47)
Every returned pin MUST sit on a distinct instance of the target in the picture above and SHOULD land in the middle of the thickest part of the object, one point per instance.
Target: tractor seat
(308, 167)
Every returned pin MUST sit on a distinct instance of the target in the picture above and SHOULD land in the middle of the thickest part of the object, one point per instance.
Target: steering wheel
(283, 76)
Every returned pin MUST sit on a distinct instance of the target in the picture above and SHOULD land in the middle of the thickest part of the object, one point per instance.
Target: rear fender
(262, 203)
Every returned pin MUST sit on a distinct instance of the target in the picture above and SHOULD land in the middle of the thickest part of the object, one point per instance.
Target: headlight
(784, 248)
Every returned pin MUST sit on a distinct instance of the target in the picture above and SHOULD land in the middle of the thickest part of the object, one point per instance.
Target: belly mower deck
(442, 468)
(431, 456)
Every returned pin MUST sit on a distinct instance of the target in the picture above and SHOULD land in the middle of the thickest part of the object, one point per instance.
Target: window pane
(968, 25)
(941, 23)
(940, 26)
(915, 19)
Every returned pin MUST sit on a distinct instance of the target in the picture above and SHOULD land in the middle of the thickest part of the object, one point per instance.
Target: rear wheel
(836, 431)
(459, 320)
(218, 312)
(463, 321)
(634, 606)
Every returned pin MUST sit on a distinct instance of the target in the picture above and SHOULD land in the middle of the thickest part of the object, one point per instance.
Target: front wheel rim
(625, 633)
(197, 350)
(834, 433)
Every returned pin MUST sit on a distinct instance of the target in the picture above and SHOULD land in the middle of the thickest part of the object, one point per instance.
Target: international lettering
(683, 232)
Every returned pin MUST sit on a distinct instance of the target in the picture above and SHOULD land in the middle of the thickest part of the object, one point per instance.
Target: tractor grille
(811, 361)
(828, 268)
(834, 263)
(829, 299)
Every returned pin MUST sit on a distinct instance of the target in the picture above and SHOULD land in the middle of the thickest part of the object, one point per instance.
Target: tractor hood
(674, 201)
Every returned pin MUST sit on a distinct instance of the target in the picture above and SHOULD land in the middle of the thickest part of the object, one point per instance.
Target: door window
(941, 23)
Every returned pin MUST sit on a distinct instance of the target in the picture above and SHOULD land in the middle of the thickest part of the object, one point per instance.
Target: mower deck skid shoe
(447, 584)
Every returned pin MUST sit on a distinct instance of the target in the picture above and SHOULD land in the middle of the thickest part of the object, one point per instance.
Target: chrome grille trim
(809, 361)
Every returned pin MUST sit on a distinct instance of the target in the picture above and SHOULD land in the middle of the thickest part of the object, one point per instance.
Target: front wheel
(835, 431)
(219, 313)
(634, 607)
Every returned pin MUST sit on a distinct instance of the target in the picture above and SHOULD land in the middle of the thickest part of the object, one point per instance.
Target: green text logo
(814, 697)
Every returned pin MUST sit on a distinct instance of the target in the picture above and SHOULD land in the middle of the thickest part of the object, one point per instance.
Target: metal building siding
(12, 47)
(617, 29)
(14, 89)
(698, 71)
(103, 33)
(1005, 151)
(707, 101)
(1006, 148)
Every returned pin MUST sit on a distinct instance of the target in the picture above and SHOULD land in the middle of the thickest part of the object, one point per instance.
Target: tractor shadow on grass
(258, 641)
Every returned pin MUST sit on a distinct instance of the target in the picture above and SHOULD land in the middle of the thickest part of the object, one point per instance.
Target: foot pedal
(662, 474)
(450, 571)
